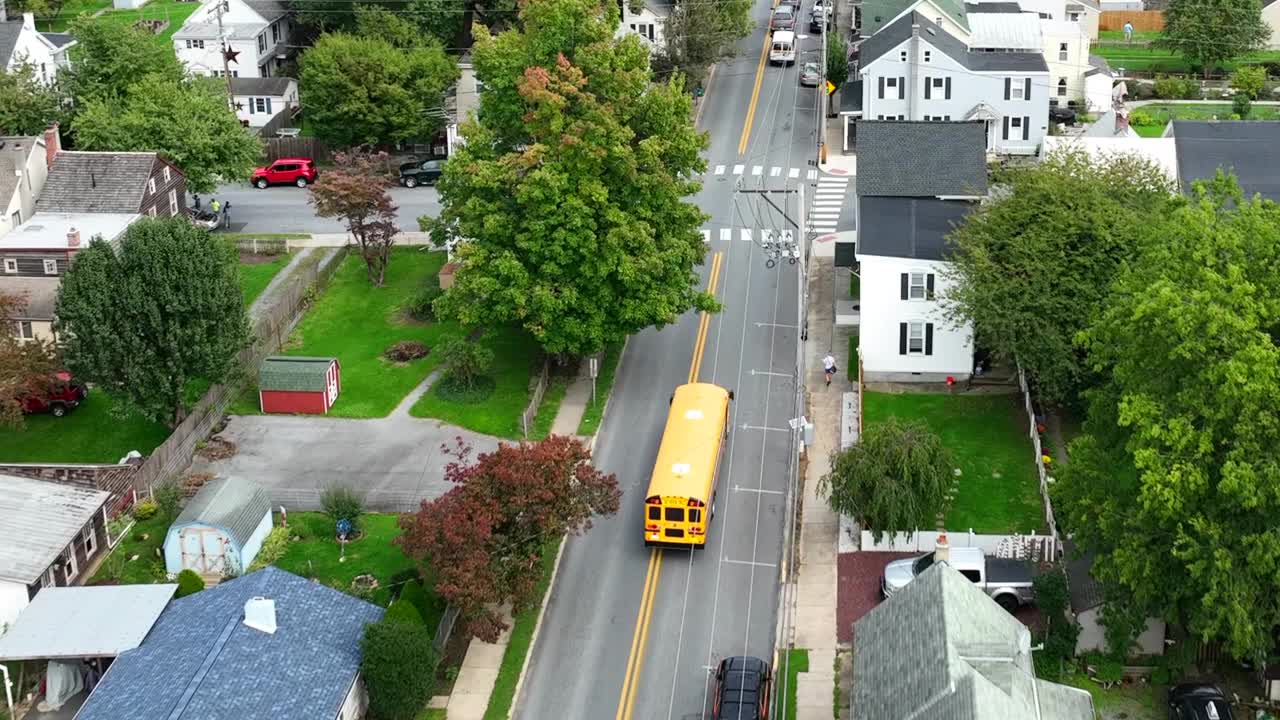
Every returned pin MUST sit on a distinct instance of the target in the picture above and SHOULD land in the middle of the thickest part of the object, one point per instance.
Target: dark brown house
(112, 182)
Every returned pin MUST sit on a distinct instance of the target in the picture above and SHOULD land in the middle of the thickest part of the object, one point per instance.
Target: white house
(258, 30)
(648, 23)
(1160, 151)
(21, 44)
(1271, 16)
(914, 70)
(24, 166)
(916, 181)
(258, 100)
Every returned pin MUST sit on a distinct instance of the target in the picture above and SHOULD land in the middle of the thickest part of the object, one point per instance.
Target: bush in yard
(273, 548)
(464, 361)
(406, 350)
(398, 665)
(339, 502)
(403, 612)
(1241, 105)
(422, 305)
(1140, 118)
(168, 497)
(1060, 631)
(1250, 80)
(1172, 88)
(145, 510)
(413, 593)
(189, 583)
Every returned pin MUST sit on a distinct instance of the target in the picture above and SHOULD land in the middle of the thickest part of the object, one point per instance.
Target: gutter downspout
(8, 688)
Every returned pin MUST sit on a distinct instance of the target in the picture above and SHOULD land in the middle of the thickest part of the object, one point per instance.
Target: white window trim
(11, 265)
(911, 328)
(50, 267)
(173, 202)
(74, 568)
(151, 186)
(90, 540)
(167, 175)
(912, 286)
(1015, 92)
(47, 580)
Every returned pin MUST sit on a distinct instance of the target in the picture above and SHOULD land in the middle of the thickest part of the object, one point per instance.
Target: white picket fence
(1033, 430)
(1019, 547)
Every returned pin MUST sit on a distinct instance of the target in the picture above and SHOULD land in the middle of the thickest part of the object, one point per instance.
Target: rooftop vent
(260, 614)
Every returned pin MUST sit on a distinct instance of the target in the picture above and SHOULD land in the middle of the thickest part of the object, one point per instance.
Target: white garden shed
(221, 530)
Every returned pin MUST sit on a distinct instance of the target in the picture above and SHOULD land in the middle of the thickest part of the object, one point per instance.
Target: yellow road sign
(830, 88)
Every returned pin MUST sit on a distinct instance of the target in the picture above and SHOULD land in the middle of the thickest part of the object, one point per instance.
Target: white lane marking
(770, 372)
(737, 169)
(781, 325)
(719, 169)
(757, 169)
(793, 173)
(752, 563)
(746, 235)
(775, 171)
(726, 233)
(706, 236)
(739, 488)
(745, 426)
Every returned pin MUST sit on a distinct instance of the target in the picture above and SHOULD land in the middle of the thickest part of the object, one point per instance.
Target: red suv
(298, 171)
(62, 396)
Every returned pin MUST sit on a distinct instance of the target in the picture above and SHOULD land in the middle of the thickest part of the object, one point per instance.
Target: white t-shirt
(828, 363)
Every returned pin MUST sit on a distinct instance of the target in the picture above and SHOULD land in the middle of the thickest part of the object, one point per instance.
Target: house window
(262, 43)
(260, 104)
(1015, 123)
(151, 211)
(46, 580)
(71, 570)
(23, 330)
(645, 30)
(151, 186)
(275, 33)
(90, 540)
(916, 285)
(927, 54)
(937, 82)
(167, 175)
(195, 44)
(1062, 87)
(1073, 17)
(915, 338)
(902, 56)
(891, 82)
(173, 203)
(50, 267)
(1062, 52)
(1015, 91)
(11, 265)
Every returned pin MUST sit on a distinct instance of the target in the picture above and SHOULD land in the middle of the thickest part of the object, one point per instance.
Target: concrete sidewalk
(343, 239)
(574, 405)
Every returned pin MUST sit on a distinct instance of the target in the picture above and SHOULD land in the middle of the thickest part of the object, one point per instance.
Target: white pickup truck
(1008, 582)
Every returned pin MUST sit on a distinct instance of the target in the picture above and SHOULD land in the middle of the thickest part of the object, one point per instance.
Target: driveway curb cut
(537, 627)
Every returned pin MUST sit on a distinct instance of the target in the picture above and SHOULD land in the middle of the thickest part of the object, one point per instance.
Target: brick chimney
(942, 550)
(52, 145)
(73, 239)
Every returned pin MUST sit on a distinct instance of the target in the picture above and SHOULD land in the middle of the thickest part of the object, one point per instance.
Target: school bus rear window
(675, 514)
(655, 513)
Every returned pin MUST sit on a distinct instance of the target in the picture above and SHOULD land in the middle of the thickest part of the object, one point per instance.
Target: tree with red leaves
(484, 539)
(26, 366)
(356, 192)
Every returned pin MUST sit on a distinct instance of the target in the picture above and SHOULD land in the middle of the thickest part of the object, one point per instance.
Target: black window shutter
(1008, 87)
(928, 338)
(902, 338)
(1026, 94)
(928, 285)
(1026, 127)
(1006, 127)
(902, 88)
(904, 286)
(881, 87)
(928, 85)
(947, 95)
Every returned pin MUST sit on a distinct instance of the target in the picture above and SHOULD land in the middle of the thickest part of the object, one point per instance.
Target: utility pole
(828, 13)
(224, 48)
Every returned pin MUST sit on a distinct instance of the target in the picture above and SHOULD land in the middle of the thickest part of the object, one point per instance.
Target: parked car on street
(423, 172)
(810, 75)
(1008, 582)
(61, 397)
(784, 18)
(286, 171)
(742, 689)
(1197, 701)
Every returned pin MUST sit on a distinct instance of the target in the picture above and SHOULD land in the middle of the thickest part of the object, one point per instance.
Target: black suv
(1195, 701)
(423, 172)
(742, 689)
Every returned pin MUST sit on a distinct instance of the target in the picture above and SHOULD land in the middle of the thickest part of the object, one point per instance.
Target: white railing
(1020, 547)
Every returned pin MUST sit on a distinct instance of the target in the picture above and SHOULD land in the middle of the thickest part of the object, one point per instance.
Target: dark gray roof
(1097, 64)
(105, 182)
(201, 662)
(270, 10)
(851, 97)
(993, 7)
(940, 649)
(233, 504)
(59, 40)
(272, 86)
(894, 35)
(904, 227)
(1265, 3)
(1249, 149)
(1083, 589)
(9, 32)
(922, 159)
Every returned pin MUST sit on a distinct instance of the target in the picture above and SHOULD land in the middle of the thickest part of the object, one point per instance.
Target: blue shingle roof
(201, 661)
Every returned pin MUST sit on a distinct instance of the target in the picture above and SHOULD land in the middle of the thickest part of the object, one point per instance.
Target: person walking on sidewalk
(829, 367)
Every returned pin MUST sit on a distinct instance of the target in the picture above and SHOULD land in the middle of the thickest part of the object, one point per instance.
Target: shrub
(406, 350)
(1160, 676)
(145, 510)
(341, 503)
(189, 583)
(273, 548)
(413, 593)
(1060, 631)
(1142, 118)
(1171, 88)
(1249, 81)
(1241, 105)
(464, 361)
(1109, 672)
(168, 496)
(403, 612)
(398, 665)
(422, 305)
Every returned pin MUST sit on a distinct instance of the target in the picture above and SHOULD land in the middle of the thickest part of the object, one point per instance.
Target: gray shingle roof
(40, 519)
(293, 373)
(904, 227)
(59, 40)
(993, 7)
(940, 649)
(269, 86)
(270, 10)
(1083, 589)
(105, 182)
(895, 34)
(1250, 149)
(922, 159)
(40, 294)
(9, 32)
(201, 662)
(233, 504)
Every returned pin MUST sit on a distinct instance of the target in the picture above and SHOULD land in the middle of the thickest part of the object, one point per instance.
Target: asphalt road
(722, 600)
(284, 208)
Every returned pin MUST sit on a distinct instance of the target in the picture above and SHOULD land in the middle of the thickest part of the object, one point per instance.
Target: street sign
(830, 88)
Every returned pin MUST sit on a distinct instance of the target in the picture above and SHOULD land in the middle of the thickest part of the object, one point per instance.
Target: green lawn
(1143, 58)
(88, 434)
(594, 414)
(144, 539)
(999, 490)
(254, 277)
(71, 9)
(175, 11)
(1138, 35)
(1162, 113)
(436, 714)
(557, 385)
(797, 661)
(515, 360)
(1132, 702)
(517, 652)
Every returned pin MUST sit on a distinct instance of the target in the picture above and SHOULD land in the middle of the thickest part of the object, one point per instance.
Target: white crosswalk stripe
(719, 169)
(757, 169)
(746, 235)
(706, 236)
(793, 173)
(775, 171)
(811, 175)
(737, 169)
(726, 233)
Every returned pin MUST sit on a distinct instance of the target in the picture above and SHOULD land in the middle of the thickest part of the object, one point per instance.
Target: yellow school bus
(683, 488)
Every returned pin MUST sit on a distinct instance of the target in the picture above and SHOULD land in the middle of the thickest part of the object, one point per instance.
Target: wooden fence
(269, 332)
(308, 147)
(1143, 20)
(531, 410)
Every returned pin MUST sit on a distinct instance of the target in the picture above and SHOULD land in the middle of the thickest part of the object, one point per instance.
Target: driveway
(396, 461)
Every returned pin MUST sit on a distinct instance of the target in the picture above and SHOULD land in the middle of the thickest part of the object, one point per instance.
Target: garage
(221, 530)
(307, 385)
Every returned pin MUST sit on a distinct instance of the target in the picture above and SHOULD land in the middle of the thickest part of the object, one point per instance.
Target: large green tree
(1031, 270)
(360, 89)
(1176, 483)
(1208, 33)
(187, 121)
(698, 34)
(570, 192)
(110, 58)
(145, 320)
(27, 105)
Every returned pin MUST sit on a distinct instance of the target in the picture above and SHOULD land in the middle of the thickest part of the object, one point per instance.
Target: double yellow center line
(640, 636)
(755, 91)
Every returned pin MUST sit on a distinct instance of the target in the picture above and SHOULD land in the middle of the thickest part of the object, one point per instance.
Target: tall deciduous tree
(26, 366)
(1208, 33)
(110, 58)
(355, 192)
(361, 89)
(697, 34)
(27, 105)
(485, 538)
(163, 310)
(1176, 483)
(570, 194)
(188, 122)
(837, 62)
(1032, 269)
(894, 479)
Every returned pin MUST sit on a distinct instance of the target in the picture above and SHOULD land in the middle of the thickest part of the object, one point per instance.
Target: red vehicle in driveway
(286, 171)
(60, 398)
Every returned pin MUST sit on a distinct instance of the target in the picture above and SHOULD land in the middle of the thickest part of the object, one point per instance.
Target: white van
(783, 50)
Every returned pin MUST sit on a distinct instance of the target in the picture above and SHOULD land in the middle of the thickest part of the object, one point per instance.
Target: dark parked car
(1195, 701)
(423, 172)
(1062, 114)
(784, 18)
(61, 397)
(742, 689)
(286, 171)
